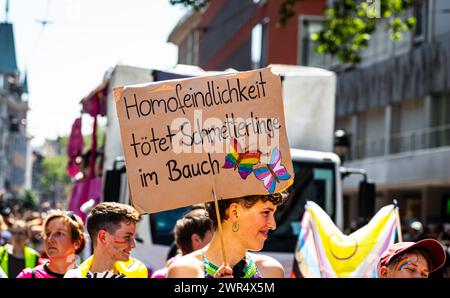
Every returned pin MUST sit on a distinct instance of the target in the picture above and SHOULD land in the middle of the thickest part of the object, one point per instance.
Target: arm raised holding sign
(246, 223)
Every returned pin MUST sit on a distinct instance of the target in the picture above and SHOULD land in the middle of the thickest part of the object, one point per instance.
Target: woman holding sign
(245, 222)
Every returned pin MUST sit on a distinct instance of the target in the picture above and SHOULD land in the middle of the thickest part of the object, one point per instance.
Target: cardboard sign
(184, 138)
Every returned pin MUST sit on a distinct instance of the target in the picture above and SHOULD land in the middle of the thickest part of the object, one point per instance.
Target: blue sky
(68, 58)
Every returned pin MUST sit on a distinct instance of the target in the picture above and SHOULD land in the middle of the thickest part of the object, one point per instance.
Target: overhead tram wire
(44, 22)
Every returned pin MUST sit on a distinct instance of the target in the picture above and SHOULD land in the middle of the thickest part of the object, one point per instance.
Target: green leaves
(349, 24)
(54, 170)
(29, 198)
(54, 177)
(411, 22)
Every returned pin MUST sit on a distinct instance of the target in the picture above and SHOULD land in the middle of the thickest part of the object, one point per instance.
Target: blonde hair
(75, 225)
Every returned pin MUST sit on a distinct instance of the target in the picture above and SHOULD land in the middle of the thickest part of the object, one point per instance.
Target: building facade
(241, 34)
(14, 141)
(394, 105)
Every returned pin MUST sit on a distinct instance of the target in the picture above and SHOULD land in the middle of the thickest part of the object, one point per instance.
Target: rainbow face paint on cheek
(402, 263)
(120, 244)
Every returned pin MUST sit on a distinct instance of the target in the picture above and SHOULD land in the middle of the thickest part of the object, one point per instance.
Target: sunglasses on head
(71, 215)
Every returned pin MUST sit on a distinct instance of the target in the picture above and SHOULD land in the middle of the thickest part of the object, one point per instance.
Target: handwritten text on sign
(181, 137)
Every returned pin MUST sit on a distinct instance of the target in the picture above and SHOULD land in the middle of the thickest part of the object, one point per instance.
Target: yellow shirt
(132, 268)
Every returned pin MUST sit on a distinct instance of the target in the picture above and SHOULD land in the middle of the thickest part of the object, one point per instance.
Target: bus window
(162, 224)
(312, 182)
(325, 176)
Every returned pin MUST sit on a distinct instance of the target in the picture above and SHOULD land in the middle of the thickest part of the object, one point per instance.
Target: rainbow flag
(324, 251)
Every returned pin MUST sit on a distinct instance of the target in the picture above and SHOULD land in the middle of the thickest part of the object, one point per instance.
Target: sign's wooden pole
(219, 225)
(397, 219)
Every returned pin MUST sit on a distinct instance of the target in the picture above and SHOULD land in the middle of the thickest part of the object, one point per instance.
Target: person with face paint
(64, 238)
(411, 259)
(112, 228)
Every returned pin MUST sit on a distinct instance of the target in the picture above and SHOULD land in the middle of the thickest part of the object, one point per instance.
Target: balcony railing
(367, 148)
(419, 139)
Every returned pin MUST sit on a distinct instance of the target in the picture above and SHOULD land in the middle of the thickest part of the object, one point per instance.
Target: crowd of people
(48, 243)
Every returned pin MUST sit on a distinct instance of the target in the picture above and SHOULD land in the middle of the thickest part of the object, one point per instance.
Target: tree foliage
(29, 199)
(54, 179)
(348, 24)
(87, 139)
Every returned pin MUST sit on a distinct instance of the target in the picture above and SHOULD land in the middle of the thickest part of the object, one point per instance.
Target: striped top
(249, 271)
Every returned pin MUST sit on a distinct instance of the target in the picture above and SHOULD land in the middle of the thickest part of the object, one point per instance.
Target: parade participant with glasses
(16, 256)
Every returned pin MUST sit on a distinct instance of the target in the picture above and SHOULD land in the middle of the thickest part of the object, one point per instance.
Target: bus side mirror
(366, 199)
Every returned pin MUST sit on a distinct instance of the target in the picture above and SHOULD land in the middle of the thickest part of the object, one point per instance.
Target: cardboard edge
(118, 91)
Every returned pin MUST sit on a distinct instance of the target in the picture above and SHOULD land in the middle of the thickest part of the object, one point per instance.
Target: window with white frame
(259, 45)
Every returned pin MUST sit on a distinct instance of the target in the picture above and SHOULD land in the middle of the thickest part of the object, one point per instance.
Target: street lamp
(341, 144)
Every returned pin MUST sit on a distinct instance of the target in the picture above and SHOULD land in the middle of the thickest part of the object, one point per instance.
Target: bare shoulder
(190, 265)
(268, 266)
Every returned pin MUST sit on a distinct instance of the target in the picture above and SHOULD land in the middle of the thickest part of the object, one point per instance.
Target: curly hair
(75, 224)
(108, 216)
(247, 201)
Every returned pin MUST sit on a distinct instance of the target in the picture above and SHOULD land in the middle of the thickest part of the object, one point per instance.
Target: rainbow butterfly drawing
(272, 173)
(243, 162)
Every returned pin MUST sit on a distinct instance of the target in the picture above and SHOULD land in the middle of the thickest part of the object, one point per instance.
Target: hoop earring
(235, 227)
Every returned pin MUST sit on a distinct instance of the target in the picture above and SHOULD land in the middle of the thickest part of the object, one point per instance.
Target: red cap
(434, 249)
